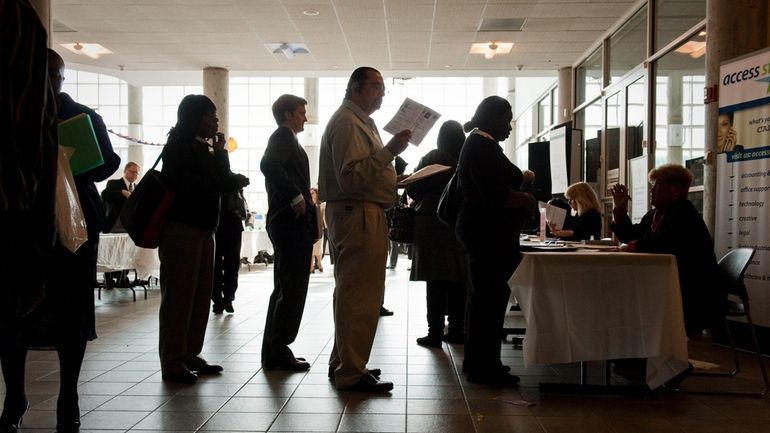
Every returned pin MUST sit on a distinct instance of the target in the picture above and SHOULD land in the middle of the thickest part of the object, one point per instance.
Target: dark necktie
(131, 187)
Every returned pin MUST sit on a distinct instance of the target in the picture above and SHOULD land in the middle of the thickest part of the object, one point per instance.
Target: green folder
(78, 132)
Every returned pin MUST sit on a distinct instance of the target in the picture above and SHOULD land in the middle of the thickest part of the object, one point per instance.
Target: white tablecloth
(117, 252)
(586, 306)
(254, 241)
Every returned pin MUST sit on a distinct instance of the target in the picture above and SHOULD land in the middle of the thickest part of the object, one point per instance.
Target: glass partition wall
(639, 93)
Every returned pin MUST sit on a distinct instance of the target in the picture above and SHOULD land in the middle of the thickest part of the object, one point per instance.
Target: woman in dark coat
(437, 257)
(199, 172)
(492, 213)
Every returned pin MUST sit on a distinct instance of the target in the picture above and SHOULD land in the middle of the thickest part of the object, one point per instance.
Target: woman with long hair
(588, 222)
(437, 257)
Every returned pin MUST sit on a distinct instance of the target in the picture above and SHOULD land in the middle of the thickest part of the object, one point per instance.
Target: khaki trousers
(358, 231)
(186, 282)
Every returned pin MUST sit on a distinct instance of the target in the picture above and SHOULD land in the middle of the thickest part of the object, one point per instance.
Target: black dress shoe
(68, 426)
(369, 383)
(217, 308)
(184, 376)
(288, 365)
(430, 341)
(495, 378)
(10, 423)
(376, 372)
(385, 312)
(206, 368)
(229, 307)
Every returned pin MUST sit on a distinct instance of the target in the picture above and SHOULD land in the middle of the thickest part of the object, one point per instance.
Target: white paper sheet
(427, 171)
(415, 117)
(554, 215)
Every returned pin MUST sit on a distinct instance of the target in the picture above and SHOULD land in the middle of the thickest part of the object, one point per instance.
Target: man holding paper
(358, 181)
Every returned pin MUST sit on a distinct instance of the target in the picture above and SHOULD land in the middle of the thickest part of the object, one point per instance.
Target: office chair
(734, 265)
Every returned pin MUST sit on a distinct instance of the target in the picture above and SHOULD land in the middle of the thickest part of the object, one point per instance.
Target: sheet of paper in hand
(415, 117)
(427, 171)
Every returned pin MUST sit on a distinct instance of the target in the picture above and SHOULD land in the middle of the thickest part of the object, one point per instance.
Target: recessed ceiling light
(311, 12)
(490, 49)
(93, 51)
(448, 66)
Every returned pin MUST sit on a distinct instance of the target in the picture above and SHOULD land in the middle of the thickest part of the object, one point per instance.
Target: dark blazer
(90, 201)
(113, 200)
(198, 177)
(683, 233)
(486, 178)
(287, 174)
(586, 225)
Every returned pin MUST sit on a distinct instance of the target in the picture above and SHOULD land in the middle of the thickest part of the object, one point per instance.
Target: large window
(674, 17)
(252, 123)
(108, 96)
(628, 46)
(159, 106)
(679, 110)
(589, 119)
(589, 78)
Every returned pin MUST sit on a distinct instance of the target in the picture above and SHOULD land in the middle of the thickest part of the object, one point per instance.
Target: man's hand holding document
(415, 117)
(427, 171)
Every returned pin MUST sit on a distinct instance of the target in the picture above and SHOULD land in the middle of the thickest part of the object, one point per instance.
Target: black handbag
(235, 204)
(145, 211)
(401, 222)
(450, 202)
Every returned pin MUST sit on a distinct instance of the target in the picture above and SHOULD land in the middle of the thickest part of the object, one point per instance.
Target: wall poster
(743, 171)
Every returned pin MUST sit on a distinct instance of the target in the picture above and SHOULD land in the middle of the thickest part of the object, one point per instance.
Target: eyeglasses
(377, 86)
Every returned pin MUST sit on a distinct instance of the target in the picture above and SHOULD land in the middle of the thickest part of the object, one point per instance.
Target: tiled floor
(122, 390)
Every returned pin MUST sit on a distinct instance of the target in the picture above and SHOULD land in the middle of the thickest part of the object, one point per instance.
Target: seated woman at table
(588, 223)
(491, 216)
(675, 227)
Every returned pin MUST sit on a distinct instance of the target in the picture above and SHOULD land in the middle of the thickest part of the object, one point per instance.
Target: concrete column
(310, 139)
(733, 29)
(43, 9)
(311, 95)
(216, 85)
(675, 130)
(136, 128)
(565, 95)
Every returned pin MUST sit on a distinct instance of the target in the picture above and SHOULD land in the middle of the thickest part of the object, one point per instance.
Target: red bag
(145, 211)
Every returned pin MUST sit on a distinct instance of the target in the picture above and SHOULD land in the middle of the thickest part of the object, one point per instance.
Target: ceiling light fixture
(491, 49)
(288, 49)
(311, 12)
(491, 53)
(694, 49)
(93, 51)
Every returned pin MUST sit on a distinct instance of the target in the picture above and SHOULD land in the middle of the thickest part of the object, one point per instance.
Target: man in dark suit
(291, 225)
(115, 196)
